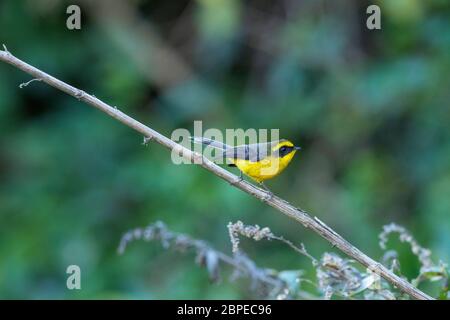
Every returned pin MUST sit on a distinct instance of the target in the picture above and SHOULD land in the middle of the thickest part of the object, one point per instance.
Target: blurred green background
(369, 108)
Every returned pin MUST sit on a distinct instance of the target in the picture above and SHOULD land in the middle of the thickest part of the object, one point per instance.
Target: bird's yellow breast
(267, 168)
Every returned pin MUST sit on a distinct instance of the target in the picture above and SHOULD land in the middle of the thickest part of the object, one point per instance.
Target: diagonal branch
(281, 205)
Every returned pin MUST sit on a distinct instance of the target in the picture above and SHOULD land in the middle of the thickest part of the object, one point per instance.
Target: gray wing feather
(210, 142)
(253, 152)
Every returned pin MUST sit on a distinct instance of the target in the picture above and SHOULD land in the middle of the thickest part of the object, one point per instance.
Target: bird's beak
(297, 148)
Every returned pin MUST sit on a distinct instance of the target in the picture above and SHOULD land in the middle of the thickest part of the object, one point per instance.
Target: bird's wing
(253, 152)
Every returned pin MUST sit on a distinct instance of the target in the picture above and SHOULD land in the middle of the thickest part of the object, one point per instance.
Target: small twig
(146, 140)
(257, 233)
(24, 84)
(302, 250)
(5, 48)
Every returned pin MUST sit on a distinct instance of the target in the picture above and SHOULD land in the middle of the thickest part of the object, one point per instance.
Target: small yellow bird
(259, 161)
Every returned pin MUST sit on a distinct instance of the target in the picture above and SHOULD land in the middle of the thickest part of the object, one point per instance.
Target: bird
(259, 161)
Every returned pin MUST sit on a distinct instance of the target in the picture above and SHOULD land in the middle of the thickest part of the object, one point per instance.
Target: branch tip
(146, 140)
(24, 84)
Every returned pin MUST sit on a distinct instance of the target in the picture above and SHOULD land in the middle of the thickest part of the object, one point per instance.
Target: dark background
(369, 108)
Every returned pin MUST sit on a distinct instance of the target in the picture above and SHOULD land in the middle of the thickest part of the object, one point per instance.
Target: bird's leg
(241, 178)
(269, 193)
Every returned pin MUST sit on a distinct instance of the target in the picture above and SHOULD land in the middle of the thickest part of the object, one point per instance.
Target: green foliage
(369, 108)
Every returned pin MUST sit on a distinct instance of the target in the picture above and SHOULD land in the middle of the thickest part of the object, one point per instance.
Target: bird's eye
(282, 149)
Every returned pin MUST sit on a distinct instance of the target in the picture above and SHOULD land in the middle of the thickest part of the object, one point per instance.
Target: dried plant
(429, 271)
(257, 233)
(264, 283)
(335, 276)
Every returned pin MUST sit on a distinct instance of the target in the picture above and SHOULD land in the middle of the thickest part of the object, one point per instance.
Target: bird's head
(284, 149)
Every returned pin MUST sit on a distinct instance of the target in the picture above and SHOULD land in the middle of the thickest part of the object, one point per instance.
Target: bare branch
(281, 205)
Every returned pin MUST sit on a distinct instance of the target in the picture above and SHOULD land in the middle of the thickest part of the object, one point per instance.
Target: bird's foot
(268, 196)
(239, 180)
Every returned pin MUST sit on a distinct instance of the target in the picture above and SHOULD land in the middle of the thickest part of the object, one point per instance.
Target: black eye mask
(283, 151)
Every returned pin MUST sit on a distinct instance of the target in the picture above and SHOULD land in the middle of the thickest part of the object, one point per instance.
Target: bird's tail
(209, 142)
